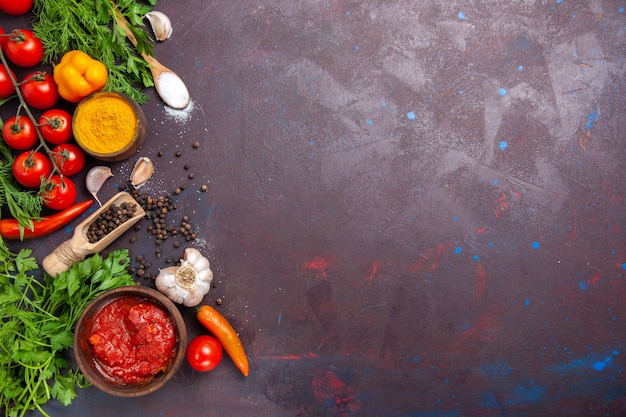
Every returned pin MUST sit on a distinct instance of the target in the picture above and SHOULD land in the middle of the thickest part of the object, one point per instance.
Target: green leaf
(60, 282)
(81, 380)
(62, 340)
(31, 356)
(25, 261)
(9, 295)
(73, 284)
(103, 8)
(63, 389)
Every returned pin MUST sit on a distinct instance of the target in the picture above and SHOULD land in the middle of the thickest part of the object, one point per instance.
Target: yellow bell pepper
(79, 75)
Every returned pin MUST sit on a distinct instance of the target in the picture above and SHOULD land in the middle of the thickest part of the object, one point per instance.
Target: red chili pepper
(10, 229)
(224, 332)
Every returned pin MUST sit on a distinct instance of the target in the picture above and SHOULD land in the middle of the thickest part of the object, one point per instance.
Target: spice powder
(105, 124)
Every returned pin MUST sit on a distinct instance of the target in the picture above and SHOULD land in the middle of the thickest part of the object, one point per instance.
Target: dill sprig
(89, 26)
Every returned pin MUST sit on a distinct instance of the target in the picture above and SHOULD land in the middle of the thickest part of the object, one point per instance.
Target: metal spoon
(169, 85)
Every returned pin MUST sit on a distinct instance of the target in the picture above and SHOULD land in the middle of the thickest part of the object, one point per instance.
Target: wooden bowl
(109, 126)
(88, 363)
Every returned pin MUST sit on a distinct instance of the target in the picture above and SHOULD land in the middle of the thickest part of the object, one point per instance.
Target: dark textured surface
(414, 208)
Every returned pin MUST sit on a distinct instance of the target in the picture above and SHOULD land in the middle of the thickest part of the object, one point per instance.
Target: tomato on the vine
(69, 158)
(16, 7)
(55, 126)
(58, 193)
(7, 88)
(204, 353)
(23, 48)
(39, 90)
(29, 167)
(19, 133)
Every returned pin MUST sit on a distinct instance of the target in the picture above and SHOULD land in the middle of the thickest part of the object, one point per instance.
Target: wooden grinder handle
(62, 258)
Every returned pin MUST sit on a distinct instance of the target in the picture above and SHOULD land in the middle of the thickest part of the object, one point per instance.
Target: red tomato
(7, 88)
(204, 353)
(69, 158)
(55, 126)
(16, 7)
(39, 90)
(23, 48)
(58, 193)
(19, 134)
(29, 167)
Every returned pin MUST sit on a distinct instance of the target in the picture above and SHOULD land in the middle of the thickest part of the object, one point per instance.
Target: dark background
(414, 208)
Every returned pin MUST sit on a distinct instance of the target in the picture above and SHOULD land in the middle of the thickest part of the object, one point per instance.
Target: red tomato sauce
(133, 339)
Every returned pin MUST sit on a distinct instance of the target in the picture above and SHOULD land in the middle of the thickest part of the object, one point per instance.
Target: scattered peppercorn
(218, 301)
(204, 188)
(196, 145)
(178, 153)
(157, 210)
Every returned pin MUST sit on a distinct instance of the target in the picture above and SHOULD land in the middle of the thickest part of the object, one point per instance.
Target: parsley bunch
(89, 26)
(38, 319)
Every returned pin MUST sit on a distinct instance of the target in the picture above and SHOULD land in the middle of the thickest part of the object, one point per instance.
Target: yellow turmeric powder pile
(104, 124)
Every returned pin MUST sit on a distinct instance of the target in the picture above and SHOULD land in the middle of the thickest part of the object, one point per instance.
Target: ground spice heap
(105, 124)
(109, 220)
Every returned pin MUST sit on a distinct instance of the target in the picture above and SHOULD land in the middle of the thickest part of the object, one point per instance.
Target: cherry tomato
(29, 167)
(204, 353)
(58, 193)
(69, 158)
(39, 90)
(16, 7)
(19, 133)
(55, 126)
(23, 48)
(7, 88)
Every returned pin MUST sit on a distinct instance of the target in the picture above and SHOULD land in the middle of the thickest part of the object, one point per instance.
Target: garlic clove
(193, 255)
(142, 171)
(204, 286)
(96, 177)
(161, 25)
(193, 298)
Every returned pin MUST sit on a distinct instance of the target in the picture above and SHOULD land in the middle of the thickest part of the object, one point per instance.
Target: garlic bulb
(161, 25)
(188, 283)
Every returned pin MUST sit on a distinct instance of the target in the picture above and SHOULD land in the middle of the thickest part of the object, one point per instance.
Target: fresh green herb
(38, 317)
(89, 26)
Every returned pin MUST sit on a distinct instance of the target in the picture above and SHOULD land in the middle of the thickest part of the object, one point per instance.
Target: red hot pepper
(10, 229)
